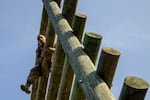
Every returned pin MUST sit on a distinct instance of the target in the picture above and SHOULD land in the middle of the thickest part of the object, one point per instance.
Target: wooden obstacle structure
(73, 75)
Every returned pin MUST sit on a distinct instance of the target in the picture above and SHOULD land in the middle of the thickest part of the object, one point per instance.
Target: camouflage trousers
(34, 74)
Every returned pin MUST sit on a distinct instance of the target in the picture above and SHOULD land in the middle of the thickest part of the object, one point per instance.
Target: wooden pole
(55, 72)
(91, 44)
(107, 64)
(67, 74)
(44, 22)
(134, 88)
(57, 67)
(46, 63)
(69, 9)
(92, 85)
(58, 2)
(50, 39)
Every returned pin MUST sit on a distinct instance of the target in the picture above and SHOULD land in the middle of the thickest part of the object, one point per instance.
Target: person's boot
(25, 89)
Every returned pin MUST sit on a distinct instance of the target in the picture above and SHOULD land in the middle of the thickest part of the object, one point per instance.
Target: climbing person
(36, 71)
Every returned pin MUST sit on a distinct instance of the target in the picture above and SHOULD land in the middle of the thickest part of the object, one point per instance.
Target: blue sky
(124, 25)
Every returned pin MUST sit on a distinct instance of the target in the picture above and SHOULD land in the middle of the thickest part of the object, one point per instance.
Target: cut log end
(94, 35)
(111, 51)
(136, 82)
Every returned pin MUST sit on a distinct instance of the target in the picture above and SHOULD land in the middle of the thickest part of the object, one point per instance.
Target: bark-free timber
(91, 44)
(107, 64)
(50, 39)
(44, 22)
(68, 11)
(134, 88)
(92, 85)
(78, 25)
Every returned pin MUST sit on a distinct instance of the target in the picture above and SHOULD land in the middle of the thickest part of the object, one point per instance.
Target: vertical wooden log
(58, 2)
(69, 9)
(78, 25)
(91, 44)
(68, 12)
(134, 88)
(55, 72)
(93, 86)
(50, 39)
(44, 22)
(107, 64)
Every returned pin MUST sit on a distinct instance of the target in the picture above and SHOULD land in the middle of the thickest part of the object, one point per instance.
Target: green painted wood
(78, 25)
(92, 85)
(134, 88)
(107, 64)
(68, 11)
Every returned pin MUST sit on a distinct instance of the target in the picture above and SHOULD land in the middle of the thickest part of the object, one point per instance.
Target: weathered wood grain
(68, 11)
(107, 64)
(91, 44)
(78, 26)
(134, 88)
(92, 85)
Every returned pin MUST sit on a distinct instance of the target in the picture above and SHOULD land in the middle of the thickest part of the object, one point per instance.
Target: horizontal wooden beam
(92, 85)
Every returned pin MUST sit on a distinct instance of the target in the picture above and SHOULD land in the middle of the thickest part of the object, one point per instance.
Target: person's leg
(33, 76)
